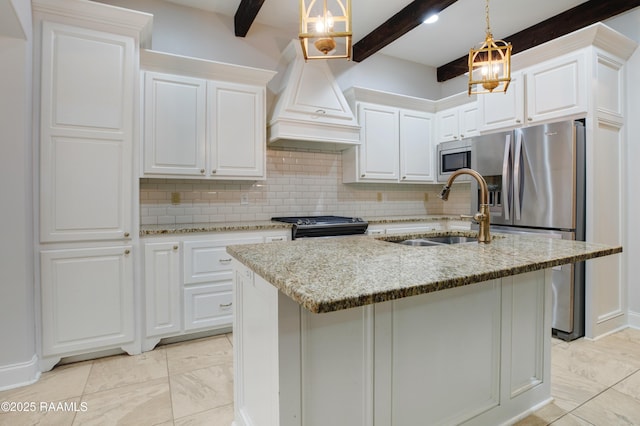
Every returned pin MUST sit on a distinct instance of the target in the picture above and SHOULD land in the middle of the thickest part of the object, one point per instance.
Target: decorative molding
(130, 22)
(362, 94)
(194, 67)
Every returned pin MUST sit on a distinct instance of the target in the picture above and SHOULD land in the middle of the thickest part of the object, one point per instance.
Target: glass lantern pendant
(489, 64)
(325, 29)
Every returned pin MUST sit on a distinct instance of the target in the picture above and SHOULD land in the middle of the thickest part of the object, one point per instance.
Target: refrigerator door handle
(506, 162)
(517, 184)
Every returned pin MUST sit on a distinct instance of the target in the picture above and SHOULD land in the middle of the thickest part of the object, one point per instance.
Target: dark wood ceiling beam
(398, 25)
(245, 15)
(564, 23)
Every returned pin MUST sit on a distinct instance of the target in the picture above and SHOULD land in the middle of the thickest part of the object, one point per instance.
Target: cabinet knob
(175, 247)
(202, 171)
(461, 136)
(127, 251)
(126, 235)
(518, 121)
(362, 175)
(530, 119)
(404, 177)
(213, 171)
(455, 137)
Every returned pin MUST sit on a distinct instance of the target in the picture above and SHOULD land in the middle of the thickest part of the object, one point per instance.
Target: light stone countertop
(186, 228)
(330, 274)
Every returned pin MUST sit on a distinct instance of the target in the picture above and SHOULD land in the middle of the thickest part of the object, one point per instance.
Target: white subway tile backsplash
(298, 183)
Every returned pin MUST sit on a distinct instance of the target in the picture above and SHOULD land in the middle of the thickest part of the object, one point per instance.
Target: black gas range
(323, 226)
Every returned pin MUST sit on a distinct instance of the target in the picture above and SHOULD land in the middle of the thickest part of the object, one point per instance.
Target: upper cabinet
(457, 123)
(395, 139)
(545, 92)
(174, 124)
(86, 134)
(204, 119)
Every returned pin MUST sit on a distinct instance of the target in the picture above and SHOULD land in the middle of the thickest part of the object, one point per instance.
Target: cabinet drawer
(206, 261)
(207, 306)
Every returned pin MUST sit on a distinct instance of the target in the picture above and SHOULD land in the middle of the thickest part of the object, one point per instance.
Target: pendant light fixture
(325, 29)
(489, 64)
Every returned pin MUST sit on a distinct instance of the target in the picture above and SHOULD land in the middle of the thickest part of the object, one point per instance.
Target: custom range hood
(309, 110)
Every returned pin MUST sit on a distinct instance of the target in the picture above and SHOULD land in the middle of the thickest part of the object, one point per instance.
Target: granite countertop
(325, 275)
(261, 225)
(186, 228)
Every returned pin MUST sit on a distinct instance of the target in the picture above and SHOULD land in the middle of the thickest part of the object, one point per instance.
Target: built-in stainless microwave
(452, 156)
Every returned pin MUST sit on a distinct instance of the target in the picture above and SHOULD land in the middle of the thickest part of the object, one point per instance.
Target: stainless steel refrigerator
(536, 182)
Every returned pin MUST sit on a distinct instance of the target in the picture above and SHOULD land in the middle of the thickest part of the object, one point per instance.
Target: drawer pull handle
(225, 260)
(226, 305)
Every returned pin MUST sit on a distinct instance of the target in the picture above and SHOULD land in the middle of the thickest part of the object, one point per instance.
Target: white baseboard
(17, 375)
(634, 319)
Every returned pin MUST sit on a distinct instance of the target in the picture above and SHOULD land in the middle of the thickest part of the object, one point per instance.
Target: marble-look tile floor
(191, 383)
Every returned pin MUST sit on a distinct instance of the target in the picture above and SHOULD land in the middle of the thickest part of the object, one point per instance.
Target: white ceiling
(460, 27)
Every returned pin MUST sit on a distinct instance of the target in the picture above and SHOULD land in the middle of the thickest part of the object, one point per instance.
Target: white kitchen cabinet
(546, 92)
(556, 88)
(208, 274)
(187, 282)
(236, 138)
(203, 119)
(86, 62)
(86, 132)
(503, 110)
(395, 146)
(457, 123)
(416, 150)
(87, 299)
(174, 124)
(162, 288)
(380, 142)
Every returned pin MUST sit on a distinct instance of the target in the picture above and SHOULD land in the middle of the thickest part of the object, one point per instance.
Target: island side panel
(445, 354)
(255, 347)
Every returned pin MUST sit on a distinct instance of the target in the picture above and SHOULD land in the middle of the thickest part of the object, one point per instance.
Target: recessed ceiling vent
(310, 110)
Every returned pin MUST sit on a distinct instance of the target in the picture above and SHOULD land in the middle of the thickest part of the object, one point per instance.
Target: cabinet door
(174, 124)
(503, 110)
(237, 130)
(380, 138)
(86, 114)
(447, 125)
(162, 288)
(87, 299)
(555, 88)
(416, 150)
(468, 120)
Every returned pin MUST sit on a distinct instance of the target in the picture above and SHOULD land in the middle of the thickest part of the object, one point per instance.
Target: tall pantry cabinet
(86, 60)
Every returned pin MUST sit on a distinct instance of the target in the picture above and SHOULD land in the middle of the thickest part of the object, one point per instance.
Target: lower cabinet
(162, 295)
(87, 297)
(188, 282)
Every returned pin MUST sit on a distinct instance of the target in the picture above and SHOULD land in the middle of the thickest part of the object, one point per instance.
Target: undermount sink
(452, 239)
(437, 241)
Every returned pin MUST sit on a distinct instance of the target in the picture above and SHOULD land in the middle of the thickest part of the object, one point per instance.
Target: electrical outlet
(175, 198)
(244, 199)
(379, 196)
(426, 197)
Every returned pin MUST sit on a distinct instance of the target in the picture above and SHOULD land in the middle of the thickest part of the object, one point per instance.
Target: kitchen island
(359, 330)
